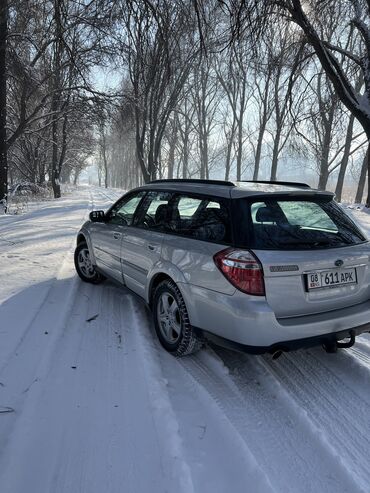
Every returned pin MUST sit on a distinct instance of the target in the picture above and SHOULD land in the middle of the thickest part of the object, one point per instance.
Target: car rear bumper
(285, 346)
(249, 321)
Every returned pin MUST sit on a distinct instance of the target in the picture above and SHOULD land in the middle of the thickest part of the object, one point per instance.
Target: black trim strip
(133, 266)
(107, 253)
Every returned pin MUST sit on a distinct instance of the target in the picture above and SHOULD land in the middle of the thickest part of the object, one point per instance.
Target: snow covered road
(96, 406)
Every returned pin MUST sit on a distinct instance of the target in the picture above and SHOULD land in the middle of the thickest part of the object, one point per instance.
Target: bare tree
(308, 15)
(235, 82)
(3, 100)
(262, 82)
(159, 49)
(362, 179)
(205, 98)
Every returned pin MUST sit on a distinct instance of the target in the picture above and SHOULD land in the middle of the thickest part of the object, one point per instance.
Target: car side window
(205, 219)
(154, 213)
(187, 207)
(124, 210)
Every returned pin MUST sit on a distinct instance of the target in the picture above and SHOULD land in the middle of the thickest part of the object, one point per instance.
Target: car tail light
(242, 269)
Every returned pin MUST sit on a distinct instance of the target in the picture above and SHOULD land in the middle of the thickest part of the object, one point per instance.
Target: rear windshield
(294, 224)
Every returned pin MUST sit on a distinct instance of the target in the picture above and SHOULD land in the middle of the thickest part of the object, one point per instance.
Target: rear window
(295, 224)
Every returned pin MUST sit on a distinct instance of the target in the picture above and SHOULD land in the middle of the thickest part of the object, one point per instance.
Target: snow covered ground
(89, 402)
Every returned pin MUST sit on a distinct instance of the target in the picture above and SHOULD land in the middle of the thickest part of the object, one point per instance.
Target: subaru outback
(253, 266)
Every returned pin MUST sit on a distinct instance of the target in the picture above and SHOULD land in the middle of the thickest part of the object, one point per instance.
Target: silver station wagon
(253, 266)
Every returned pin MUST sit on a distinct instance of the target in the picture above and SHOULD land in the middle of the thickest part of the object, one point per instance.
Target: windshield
(296, 224)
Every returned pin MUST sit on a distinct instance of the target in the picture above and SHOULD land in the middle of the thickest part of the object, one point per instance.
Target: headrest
(210, 214)
(211, 226)
(269, 215)
(161, 214)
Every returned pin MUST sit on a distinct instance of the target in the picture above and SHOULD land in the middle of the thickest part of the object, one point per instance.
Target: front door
(141, 244)
(107, 237)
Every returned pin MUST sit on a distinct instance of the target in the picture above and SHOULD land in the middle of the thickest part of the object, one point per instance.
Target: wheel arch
(183, 286)
(84, 237)
(154, 282)
(81, 238)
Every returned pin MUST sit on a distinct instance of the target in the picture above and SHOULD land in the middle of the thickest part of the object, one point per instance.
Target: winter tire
(84, 267)
(171, 321)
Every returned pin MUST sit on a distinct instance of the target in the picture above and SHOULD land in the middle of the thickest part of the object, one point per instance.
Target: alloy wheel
(169, 318)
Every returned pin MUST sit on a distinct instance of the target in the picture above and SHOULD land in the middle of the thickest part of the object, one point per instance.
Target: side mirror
(97, 216)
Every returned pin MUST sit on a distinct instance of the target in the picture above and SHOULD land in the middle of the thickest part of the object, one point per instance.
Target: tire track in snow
(361, 355)
(61, 274)
(218, 454)
(203, 464)
(276, 431)
(165, 419)
(29, 361)
(87, 424)
(360, 352)
(330, 403)
(49, 296)
(351, 365)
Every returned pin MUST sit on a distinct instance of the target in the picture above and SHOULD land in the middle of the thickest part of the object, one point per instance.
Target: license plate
(331, 278)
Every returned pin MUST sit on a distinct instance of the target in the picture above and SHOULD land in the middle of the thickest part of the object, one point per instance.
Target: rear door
(314, 258)
(199, 227)
(141, 244)
(107, 237)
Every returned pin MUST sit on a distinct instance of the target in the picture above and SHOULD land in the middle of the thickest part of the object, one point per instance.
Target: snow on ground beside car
(89, 402)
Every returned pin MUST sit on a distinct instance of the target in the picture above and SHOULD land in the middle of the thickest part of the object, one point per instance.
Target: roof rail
(286, 183)
(196, 180)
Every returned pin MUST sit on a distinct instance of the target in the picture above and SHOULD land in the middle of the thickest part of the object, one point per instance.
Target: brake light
(242, 269)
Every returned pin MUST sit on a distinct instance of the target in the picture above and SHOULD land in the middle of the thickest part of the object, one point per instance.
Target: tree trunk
(345, 159)
(151, 162)
(367, 160)
(203, 148)
(324, 159)
(55, 104)
(262, 128)
(361, 182)
(55, 175)
(140, 158)
(105, 168)
(240, 120)
(64, 177)
(258, 152)
(3, 99)
(323, 179)
(171, 153)
(228, 159)
(103, 149)
(75, 178)
(239, 154)
(185, 159)
(275, 155)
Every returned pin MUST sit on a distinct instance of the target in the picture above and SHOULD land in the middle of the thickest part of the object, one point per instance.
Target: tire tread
(190, 341)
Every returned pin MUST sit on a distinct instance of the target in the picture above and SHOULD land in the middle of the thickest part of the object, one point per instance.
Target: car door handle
(152, 247)
(117, 236)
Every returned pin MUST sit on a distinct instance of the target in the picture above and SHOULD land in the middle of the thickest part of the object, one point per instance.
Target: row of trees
(243, 90)
(48, 106)
(224, 89)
